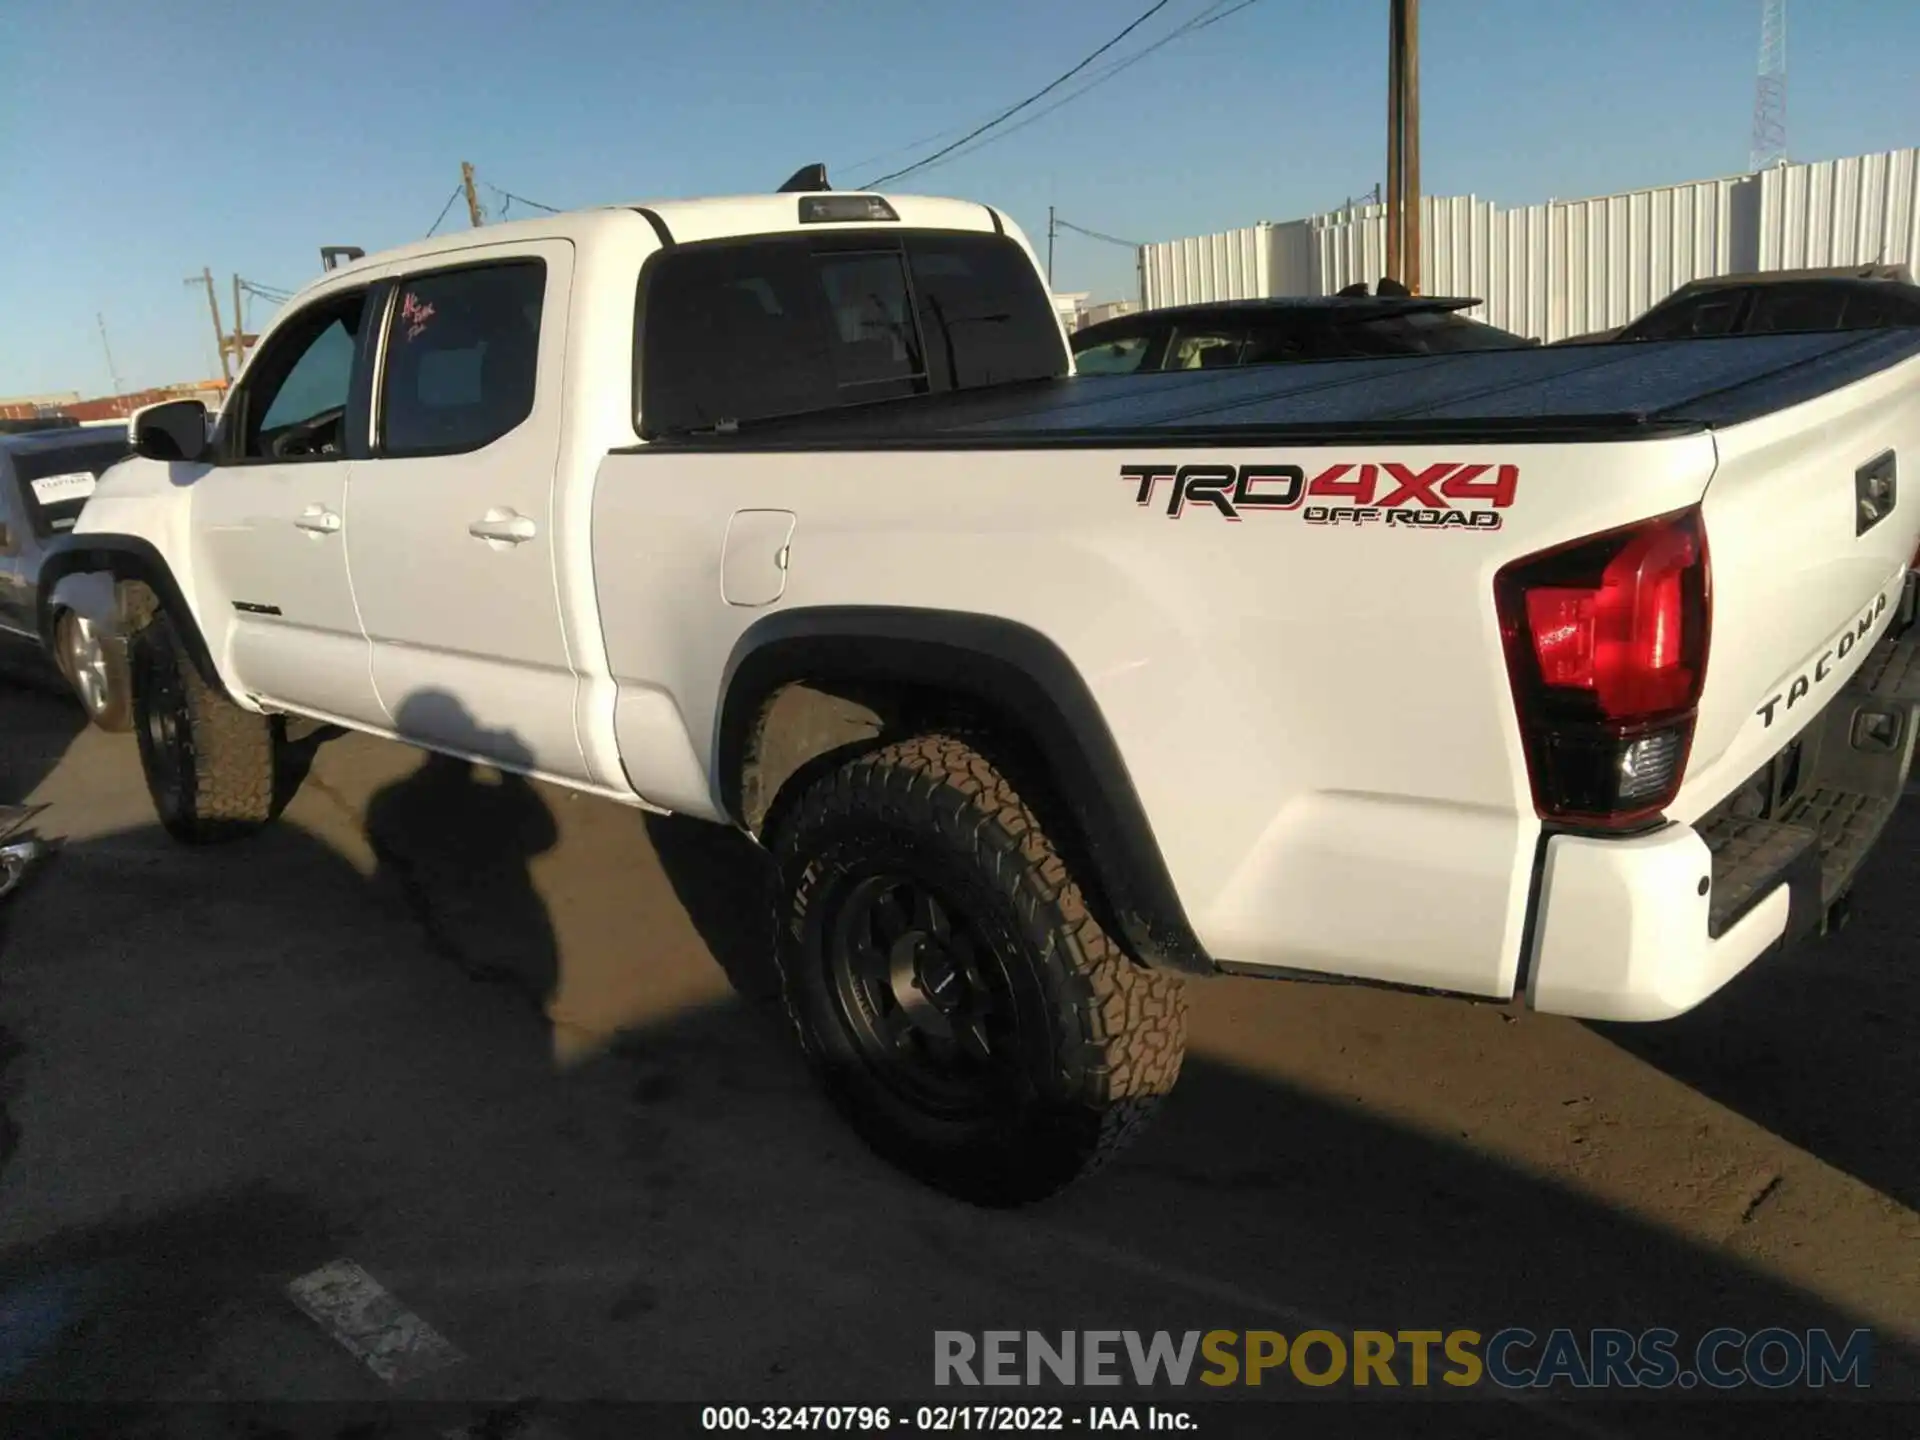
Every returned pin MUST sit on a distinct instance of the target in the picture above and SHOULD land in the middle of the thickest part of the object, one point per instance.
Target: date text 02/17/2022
(945, 1419)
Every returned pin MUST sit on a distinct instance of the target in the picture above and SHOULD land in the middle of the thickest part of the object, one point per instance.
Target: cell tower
(1770, 89)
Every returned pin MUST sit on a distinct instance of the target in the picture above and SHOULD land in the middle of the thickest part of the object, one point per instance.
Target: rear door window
(463, 352)
(733, 332)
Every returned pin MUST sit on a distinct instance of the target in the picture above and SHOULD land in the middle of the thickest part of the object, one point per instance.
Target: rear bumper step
(1823, 802)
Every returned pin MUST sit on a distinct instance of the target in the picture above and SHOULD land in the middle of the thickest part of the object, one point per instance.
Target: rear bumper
(1646, 928)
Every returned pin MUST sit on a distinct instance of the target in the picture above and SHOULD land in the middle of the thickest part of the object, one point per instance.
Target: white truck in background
(1579, 675)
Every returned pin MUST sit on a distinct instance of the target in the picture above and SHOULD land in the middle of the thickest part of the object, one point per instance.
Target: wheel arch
(869, 674)
(131, 561)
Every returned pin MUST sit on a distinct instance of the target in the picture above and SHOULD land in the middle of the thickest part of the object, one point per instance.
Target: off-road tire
(209, 764)
(1100, 1037)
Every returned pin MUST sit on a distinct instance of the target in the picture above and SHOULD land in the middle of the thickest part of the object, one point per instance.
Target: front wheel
(209, 764)
(965, 1011)
(94, 662)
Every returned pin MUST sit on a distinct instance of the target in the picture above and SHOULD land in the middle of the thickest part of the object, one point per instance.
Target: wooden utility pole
(1410, 142)
(205, 277)
(1395, 94)
(473, 200)
(1403, 143)
(1050, 233)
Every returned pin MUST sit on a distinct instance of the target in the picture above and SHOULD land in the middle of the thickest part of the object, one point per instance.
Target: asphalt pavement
(507, 1063)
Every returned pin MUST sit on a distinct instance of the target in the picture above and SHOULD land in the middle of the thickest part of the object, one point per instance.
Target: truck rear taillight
(1606, 643)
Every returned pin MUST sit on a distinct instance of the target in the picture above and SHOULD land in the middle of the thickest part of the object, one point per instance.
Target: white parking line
(388, 1338)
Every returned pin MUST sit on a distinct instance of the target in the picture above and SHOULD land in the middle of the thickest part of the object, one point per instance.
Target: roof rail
(333, 256)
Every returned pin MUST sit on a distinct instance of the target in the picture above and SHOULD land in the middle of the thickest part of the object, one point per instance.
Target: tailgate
(1812, 518)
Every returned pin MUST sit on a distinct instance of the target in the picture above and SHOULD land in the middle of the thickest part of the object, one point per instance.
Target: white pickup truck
(1574, 675)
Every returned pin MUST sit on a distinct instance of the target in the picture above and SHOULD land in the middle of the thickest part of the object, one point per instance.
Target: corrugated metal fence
(1568, 267)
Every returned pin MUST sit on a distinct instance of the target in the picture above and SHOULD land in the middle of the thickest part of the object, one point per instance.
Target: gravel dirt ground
(514, 1055)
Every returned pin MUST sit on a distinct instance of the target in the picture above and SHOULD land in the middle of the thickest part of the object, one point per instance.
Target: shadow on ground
(1818, 1046)
(456, 840)
(725, 882)
(40, 725)
(245, 1060)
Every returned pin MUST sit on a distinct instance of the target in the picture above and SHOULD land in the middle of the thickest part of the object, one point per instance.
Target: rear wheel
(209, 764)
(94, 662)
(966, 1012)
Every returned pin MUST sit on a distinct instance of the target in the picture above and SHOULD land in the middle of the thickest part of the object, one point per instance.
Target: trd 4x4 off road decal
(1391, 494)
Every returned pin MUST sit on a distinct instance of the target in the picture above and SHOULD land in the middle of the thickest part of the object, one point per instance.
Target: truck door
(452, 546)
(270, 517)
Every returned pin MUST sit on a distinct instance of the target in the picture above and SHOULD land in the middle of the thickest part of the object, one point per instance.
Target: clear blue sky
(143, 141)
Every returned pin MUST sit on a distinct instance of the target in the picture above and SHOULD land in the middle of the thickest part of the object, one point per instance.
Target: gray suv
(45, 478)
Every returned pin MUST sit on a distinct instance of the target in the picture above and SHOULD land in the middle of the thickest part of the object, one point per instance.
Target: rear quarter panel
(1316, 716)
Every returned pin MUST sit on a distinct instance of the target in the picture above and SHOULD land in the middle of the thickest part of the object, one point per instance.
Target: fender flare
(1013, 672)
(125, 557)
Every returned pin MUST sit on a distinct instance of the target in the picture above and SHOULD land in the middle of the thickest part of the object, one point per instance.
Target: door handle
(318, 519)
(503, 526)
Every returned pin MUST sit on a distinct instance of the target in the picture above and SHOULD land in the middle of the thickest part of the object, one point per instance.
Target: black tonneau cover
(1596, 392)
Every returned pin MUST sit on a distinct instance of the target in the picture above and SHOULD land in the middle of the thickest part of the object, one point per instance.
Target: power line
(509, 195)
(272, 294)
(1051, 86)
(1199, 22)
(906, 149)
(444, 209)
(1213, 15)
(1095, 234)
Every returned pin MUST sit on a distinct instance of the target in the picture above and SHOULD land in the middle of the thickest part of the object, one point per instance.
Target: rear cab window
(730, 332)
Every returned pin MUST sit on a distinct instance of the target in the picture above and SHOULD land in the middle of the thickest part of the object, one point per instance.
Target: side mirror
(171, 430)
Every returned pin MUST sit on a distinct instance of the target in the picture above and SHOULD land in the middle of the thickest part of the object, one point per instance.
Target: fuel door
(753, 561)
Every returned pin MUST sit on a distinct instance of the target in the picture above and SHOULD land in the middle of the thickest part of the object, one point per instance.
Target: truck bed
(1578, 393)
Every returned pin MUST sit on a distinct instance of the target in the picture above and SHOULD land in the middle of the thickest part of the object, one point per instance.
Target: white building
(1570, 267)
(1078, 310)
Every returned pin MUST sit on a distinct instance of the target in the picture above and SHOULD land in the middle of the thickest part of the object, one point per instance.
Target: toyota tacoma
(1574, 676)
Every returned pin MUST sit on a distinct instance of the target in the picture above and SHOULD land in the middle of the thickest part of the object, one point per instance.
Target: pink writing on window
(415, 314)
